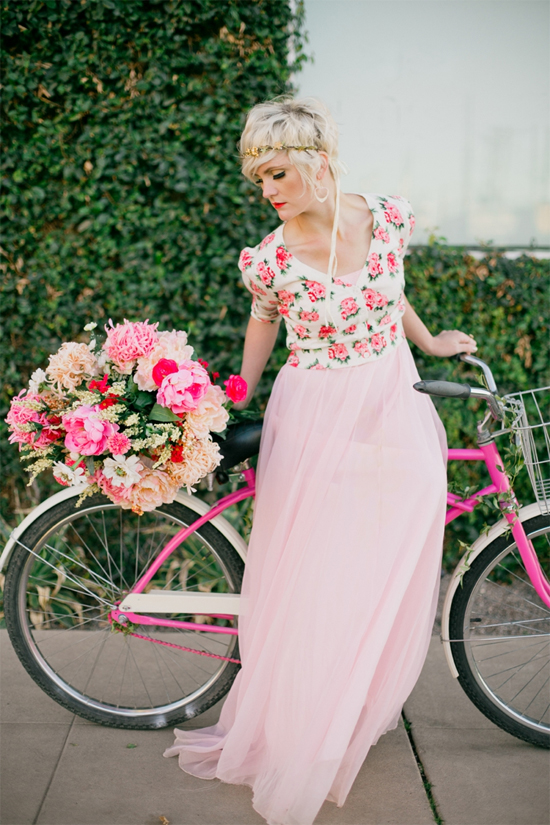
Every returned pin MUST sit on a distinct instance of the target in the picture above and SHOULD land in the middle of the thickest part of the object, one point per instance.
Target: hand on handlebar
(452, 342)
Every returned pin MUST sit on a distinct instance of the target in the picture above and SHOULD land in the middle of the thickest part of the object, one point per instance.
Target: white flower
(122, 470)
(68, 475)
(38, 377)
(89, 327)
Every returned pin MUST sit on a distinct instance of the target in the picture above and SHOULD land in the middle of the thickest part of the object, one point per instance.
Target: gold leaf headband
(256, 151)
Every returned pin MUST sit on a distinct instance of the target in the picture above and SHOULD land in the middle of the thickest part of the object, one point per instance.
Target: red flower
(163, 368)
(282, 255)
(109, 401)
(102, 385)
(177, 454)
(236, 388)
(326, 332)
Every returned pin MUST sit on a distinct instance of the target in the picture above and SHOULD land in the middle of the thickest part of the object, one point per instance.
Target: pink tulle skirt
(340, 587)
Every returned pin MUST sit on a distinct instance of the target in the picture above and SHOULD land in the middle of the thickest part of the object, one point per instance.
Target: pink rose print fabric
(338, 323)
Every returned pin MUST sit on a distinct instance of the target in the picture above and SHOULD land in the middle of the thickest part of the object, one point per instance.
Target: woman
(342, 577)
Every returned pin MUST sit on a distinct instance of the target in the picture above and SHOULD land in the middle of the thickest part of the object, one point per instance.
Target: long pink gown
(340, 586)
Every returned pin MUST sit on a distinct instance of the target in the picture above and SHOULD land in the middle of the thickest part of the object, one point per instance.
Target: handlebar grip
(443, 389)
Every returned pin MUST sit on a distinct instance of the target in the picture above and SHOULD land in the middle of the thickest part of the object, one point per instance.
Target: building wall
(445, 102)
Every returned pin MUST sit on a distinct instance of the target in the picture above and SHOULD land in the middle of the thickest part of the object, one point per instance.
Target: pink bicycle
(132, 621)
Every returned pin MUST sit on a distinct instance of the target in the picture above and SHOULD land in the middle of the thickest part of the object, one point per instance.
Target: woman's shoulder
(266, 249)
(391, 202)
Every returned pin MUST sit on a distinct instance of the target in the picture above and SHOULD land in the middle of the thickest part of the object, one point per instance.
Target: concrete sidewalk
(59, 770)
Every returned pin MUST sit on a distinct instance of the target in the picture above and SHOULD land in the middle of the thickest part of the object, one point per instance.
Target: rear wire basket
(530, 420)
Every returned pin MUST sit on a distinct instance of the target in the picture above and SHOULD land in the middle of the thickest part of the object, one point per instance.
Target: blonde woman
(342, 577)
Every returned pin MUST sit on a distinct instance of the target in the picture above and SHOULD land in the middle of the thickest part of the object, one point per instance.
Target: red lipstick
(277, 205)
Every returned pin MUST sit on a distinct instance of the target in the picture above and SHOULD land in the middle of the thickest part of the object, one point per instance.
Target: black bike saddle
(241, 441)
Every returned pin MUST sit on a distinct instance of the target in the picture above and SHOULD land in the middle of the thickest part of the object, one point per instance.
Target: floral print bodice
(332, 322)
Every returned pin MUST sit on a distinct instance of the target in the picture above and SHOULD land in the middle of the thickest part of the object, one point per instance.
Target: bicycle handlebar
(477, 362)
(451, 389)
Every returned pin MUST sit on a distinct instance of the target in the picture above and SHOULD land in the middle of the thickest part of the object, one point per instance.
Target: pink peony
(283, 256)
(118, 444)
(87, 432)
(20, 415)
(236, 388)
(181, 391)
(164, 367)
(129, 341)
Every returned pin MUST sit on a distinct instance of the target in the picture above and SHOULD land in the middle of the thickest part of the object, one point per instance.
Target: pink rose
(412, 223)
(300, 331)
(392, 262)
(286, 297)
(309, 316)
(129, 341)
(374, 299)
(374, 268)
(315, 290)
(267, 240)
(362, 347)
(245, 260)
(182, 391)
(257, 289)
(164, 367)
(381, 235)
(87, 432)
(283, 309)
(317, 367)
(393, 215)
(378, 342)
(348, 307)
(385, 320)
(338, 352)
(393, 332)
(236, 388)
(293, 360)
(265, 272)
(326, 332)
(283, 256)
(20, 415)
(351, 329)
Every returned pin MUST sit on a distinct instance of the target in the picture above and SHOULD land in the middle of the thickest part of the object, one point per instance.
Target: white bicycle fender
(193, 503)
(525, 513)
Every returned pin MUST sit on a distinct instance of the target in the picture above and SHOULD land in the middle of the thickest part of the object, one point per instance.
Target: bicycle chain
(186, 649)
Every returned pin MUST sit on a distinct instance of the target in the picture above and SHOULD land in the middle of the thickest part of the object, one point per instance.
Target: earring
(321, 198)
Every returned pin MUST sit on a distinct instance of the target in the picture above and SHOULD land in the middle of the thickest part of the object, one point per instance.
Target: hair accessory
(256, 151)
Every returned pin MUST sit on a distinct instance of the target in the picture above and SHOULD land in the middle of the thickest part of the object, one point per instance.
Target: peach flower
(204, 459)
(155, 488)
(170, 345)
(210, 415)
(71, 364)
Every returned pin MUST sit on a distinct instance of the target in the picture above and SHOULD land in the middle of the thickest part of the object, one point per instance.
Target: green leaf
(162, 414)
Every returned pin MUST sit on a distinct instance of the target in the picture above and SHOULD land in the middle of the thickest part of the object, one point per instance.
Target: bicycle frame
(488, 453)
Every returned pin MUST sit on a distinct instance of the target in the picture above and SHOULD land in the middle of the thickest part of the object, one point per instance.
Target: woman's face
(283, 187)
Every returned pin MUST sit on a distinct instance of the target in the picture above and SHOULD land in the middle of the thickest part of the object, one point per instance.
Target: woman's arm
(258, 346)
(447, 343)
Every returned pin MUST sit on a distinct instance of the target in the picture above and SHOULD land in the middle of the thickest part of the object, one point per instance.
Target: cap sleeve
(258, 278)
(409, 222)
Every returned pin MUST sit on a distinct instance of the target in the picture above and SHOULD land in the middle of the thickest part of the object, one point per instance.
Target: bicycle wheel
(501, 633)
(82, 562)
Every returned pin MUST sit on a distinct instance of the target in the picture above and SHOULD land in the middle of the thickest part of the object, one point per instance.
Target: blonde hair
(291, 122)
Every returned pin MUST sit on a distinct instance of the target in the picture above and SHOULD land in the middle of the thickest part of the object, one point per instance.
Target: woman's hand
(451, 342)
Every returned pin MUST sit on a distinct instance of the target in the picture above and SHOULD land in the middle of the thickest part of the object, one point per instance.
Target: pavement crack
(52, 777)
(438, 819)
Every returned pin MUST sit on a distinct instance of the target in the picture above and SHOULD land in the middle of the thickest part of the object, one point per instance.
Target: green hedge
(123, 198)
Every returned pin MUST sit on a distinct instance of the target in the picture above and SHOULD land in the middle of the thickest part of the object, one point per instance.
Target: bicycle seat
(241, 441)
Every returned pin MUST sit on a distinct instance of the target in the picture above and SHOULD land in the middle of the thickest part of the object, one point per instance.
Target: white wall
(445, 102)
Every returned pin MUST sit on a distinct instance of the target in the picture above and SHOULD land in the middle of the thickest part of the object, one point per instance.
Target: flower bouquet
(131, 418)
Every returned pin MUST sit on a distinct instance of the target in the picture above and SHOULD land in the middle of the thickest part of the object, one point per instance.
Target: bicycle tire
(500, 633)
(39, 622)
